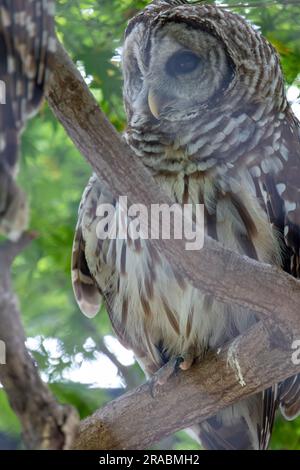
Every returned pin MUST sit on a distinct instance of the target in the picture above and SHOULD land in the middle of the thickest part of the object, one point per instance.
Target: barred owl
(27, 41)
(208, 117)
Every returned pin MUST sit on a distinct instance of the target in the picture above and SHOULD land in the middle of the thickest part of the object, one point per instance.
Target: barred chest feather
(153, 310)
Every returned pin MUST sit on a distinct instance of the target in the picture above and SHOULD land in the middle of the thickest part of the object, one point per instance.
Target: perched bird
(209, 118)
(27, 41)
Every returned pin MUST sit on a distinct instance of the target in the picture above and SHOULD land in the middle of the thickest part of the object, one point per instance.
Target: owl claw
(162, 376)
(187, 361)
(178, 363)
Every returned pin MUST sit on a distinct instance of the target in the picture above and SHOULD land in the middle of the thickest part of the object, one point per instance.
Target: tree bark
(45, 423)
(137, 420)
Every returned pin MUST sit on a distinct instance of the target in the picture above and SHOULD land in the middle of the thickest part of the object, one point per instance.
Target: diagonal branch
(137, 420)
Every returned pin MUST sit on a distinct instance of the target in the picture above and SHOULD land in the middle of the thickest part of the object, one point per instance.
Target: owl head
(182, 60)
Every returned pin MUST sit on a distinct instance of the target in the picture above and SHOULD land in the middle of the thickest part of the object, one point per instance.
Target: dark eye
(182, 63)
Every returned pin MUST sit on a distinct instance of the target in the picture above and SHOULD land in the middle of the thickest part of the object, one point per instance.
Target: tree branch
(137, 420)
(45, 423)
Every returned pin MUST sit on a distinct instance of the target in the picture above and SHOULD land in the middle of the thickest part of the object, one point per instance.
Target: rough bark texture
(45, 423)
(140, 418)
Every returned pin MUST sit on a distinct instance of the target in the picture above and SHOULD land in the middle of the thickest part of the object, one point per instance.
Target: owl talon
(187, 361)
(162, 376)
(178, 363)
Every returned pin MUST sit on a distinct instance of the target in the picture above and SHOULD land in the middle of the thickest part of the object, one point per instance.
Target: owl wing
(283, 206)
(283, 191)
(27, 42)
(98, 264)
(86, 289)
(277, 184)
(249, 430)
(95, 268)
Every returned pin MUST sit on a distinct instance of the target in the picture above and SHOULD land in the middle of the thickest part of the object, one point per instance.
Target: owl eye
(182, 63)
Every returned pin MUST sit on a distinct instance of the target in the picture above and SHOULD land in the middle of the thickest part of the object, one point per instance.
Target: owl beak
(155, 104)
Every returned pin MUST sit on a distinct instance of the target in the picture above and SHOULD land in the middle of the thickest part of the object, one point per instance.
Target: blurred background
(80, 359)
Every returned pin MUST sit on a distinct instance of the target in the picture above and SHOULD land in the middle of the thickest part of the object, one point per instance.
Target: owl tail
(214, 436)
(85, 288)
(244, 426)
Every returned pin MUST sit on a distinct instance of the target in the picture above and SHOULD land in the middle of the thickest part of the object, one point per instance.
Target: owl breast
(153, 309)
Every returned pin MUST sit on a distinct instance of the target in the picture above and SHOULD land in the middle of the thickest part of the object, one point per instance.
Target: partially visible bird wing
(277, 182)
(27, 42)
(249, 430)
(283, 205)
(96, 268)
(290, 397)
(86, 290)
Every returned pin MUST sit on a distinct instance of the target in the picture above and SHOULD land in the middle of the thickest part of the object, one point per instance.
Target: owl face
(183, 61)
(172, 72)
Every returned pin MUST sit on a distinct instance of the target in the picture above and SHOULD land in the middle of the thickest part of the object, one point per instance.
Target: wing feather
(86, 290)
(282, 189)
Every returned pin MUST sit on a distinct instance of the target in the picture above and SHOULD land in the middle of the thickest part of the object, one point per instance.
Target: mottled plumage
(208, 116)
(27, 41)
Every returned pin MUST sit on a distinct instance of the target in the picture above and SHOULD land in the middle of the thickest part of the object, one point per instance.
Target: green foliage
(54, 174)
(9, 422)
(83, 399)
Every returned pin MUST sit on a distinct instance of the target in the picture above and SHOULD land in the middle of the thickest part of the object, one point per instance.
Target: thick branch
(227, 276)
(248, 365)
(45, 423)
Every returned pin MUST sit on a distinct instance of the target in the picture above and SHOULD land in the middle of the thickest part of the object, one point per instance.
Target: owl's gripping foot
(161, 377)
(187, 361)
